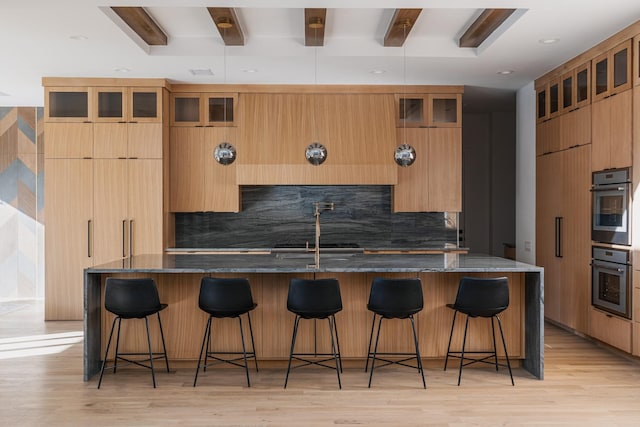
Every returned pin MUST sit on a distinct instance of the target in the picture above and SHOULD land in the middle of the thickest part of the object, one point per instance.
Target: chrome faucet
(319, 208)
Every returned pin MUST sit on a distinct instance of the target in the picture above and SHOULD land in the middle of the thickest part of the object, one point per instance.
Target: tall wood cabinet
(432, 125)
(104, 186)
(563, 234)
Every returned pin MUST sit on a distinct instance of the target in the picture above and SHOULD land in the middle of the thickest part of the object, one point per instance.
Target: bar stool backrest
(225, 297)
(131, 298)
(396, 298)
(314, 299)
(482, 297)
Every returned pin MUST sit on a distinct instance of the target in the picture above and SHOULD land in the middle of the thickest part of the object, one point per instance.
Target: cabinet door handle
(89, 238)
(130, 238)
(124, 238)
(558, 240)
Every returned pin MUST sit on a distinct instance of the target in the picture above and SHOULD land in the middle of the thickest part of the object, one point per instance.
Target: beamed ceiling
(456, 42)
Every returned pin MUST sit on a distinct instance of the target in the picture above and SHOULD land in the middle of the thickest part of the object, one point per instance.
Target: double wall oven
(611, 197)
(610, 231)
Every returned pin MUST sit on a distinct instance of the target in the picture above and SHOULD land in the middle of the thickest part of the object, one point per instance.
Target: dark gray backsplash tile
(283, 215)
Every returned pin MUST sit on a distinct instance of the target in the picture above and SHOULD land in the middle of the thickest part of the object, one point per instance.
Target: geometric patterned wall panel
(21, 203)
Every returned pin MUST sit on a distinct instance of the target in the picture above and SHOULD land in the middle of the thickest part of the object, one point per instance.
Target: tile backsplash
(275, 216)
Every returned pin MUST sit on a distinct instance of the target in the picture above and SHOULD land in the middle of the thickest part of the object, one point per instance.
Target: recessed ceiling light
(505, 72)
(201, 72)
(378, 71)
(78, 37)
(249, 70)
(4, 94)
(122, 70)
(548, 41)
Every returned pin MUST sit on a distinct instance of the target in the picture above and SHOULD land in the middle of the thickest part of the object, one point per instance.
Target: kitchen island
(178, 277)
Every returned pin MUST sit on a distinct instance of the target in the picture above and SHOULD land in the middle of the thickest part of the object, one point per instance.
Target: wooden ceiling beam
(400, 26)
(314, 24)
(488, 21)
(142, 24)
(227, 23)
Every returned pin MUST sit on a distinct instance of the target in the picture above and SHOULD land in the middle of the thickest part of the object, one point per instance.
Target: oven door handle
(607, 189)
(558, 237)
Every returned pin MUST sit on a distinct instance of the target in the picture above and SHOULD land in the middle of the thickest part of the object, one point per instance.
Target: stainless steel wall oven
(611, 204)
(611, 281)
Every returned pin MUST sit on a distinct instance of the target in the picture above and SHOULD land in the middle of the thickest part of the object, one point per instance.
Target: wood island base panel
(178, 279)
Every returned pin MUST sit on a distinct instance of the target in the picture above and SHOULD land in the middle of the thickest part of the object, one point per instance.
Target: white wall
(526, 175)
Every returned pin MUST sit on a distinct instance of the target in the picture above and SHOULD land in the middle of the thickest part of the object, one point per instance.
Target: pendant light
(225, 152)
(404, 154)
(315, 153)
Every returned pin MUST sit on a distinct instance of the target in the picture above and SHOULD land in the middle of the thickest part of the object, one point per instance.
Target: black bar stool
(133, 299)
(395, 299)
(480, 297)
(226, 298)
(315, 299)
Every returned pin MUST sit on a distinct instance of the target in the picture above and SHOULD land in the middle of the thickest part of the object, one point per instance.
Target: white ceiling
(35, 41)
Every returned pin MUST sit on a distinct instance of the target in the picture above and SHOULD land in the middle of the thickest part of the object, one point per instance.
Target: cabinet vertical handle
(89, 238)
(124, 238)
(558, 240)
(130, 238)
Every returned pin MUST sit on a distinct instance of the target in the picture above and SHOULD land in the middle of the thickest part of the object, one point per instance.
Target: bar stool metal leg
(164, 347)
(293, 344)
(244, 352)
(153, 372)
(106, 352)
(418, 358)
(253, 345)
(335, 328)
(506, 355)
(333, 348)
(205, 341)
(373, 322)
(464, 342)
(453, 323)
(375, 350)
(115, 358)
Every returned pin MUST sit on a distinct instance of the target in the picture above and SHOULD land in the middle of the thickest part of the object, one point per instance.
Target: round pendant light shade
(225, 153)
(404, 155)
(316, 153)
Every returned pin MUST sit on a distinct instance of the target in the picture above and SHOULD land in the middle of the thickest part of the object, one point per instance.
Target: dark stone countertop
(293, 262)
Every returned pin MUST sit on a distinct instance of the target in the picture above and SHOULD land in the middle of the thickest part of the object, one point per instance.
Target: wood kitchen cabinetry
(127, 208)
(611, 71)
(198, 182)
(357, 130)
(104, 186)
(563, 201)
(611, 131)
(429, 110)
(204, 109)
(636, 60)
(68, 244)
(433, 183)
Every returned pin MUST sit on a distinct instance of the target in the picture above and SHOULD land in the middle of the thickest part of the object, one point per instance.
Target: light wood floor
(585, 385)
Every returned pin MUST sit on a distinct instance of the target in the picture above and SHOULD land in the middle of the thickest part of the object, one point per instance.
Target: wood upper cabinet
(198, 183)
(127, 104)
(68, 235)
(103, 104)
(433, 183)
(204, 109)
(611, 71)
(611, 131)
(68, 140)
(128, 140)
(548, 136)
(68, 104)
(429, 110)
(575, 88)
(548, 102)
